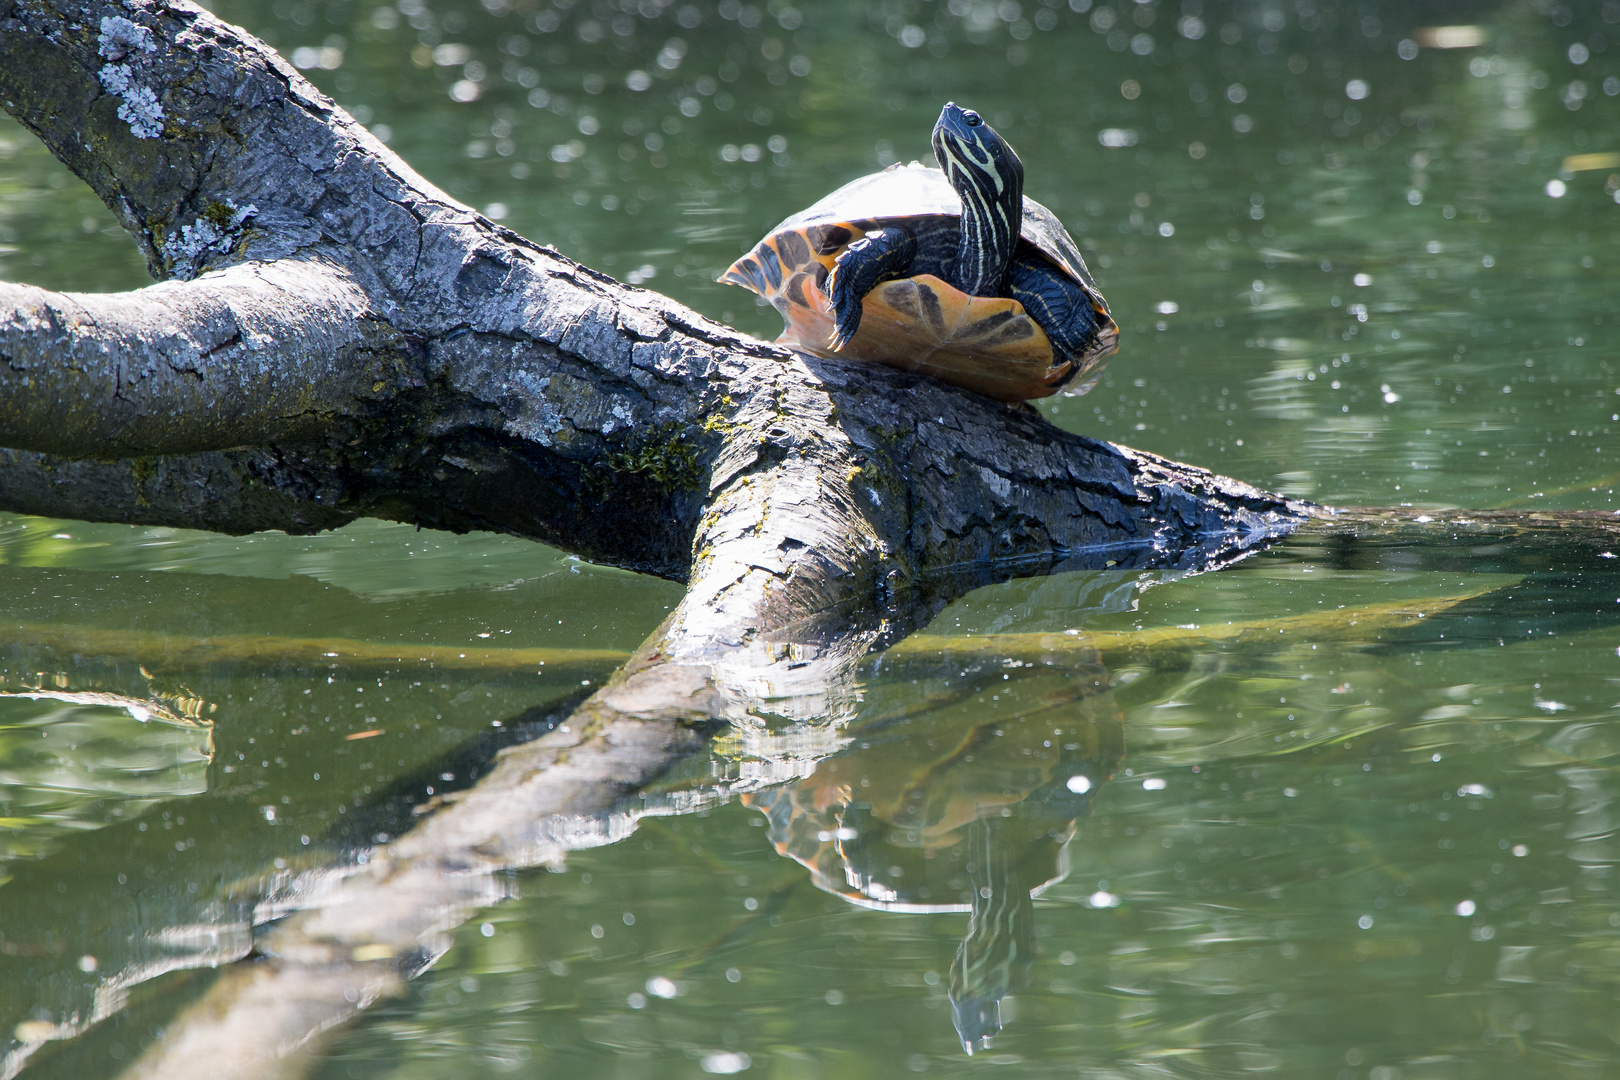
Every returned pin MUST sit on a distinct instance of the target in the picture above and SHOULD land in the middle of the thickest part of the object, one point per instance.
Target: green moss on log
(662, 456)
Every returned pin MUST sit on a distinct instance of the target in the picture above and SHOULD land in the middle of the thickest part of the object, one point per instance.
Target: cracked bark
(334, 337)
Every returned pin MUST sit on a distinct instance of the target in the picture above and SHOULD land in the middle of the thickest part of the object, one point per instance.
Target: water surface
(1283, 822)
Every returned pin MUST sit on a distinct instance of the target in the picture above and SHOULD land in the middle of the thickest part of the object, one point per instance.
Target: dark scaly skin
(1058, 305)
(937, 241)
(879, 256)
(988, 177)
(861, 267)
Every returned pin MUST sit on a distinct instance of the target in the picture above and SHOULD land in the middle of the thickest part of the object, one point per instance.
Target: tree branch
(180, 368)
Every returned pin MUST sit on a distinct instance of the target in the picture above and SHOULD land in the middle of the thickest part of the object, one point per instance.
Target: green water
(1355, 845)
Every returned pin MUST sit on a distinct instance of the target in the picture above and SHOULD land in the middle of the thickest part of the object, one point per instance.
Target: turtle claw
(842, 335)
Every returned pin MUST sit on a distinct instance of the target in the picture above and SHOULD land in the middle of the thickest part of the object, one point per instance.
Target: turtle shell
(922, 323)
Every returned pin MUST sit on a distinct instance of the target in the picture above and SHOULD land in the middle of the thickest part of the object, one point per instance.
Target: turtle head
(975, 158)
(989, 178)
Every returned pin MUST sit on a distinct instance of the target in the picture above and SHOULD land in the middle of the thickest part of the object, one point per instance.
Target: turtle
(951, 272)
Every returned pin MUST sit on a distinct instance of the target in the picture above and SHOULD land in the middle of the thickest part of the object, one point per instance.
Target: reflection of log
(376, 924)
(142, 709)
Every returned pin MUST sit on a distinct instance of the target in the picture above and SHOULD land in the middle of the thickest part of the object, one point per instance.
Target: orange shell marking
(920, 324)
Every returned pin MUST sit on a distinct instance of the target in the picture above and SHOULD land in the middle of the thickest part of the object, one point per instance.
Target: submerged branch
(178, 655)
(175, 656)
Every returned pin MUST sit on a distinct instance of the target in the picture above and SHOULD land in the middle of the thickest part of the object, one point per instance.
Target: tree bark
(334, 337)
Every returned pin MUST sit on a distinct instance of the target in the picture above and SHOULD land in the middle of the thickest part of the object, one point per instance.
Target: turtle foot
(846, 307)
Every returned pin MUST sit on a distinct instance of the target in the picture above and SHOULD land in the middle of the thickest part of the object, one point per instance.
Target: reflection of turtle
(954, 274)
(931, 815)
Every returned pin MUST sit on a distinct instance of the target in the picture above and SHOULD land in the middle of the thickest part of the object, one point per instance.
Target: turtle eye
(971, 118)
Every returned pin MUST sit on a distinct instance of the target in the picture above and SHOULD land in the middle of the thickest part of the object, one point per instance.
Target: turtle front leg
(881, 255)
